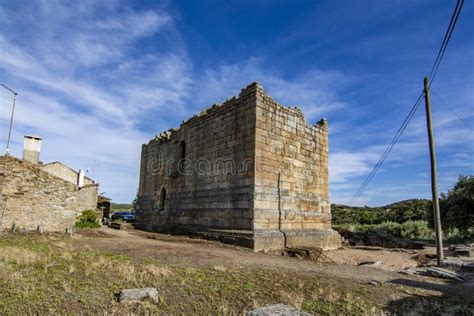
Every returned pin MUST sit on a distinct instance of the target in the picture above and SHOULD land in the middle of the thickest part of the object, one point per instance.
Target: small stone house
(45, 197)
(66, 173)
(249, 171)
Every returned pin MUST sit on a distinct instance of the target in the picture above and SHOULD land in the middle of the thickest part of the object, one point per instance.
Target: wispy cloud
(315, 91)
(83, 89)
(97, 79)
(454, 147)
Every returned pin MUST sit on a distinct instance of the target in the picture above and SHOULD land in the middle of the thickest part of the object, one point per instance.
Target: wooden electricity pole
(434, 178)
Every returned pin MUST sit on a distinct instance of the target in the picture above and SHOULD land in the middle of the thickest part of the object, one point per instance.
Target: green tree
(367, 217)
(457, 207)
(416, 230)
(408, 210)
(135, 201)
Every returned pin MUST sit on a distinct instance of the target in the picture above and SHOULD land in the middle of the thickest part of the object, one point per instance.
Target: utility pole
(11, 119)
(434, 177)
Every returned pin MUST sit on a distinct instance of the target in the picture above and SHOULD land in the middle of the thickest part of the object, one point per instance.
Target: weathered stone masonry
(249, 171)
(32, 199)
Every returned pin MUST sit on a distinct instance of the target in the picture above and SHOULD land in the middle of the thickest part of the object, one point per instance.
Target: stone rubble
(370, 263)
(459, 263)
(277, 310)
(461, 250)
(138, 295)
(445, 274)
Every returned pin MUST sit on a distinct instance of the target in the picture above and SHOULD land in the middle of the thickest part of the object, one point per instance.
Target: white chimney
(31, 148)
(80, 178)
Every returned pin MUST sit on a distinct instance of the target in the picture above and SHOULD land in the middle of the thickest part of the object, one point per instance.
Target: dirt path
(340, 264)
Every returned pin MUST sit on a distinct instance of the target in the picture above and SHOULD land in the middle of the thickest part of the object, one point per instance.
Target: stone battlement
(252, 91)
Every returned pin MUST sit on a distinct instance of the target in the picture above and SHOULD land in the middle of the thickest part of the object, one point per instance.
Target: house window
(162, 199)
(182, 156)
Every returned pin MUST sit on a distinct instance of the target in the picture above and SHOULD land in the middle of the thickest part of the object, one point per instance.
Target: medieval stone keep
(248, 171)
(43, 197)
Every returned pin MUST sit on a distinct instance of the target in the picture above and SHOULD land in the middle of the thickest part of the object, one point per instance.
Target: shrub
(456, 235)
(408, 230)
(360, 228)
(349, 227)
(88, 219)
(456, 207)
(367, 217)
(392, 228)
(416, 230)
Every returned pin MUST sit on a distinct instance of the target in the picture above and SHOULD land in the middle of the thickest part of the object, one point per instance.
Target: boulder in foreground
(137, 295)
(277, 309)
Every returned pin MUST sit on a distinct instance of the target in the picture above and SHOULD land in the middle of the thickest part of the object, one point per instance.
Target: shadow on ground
(455, 298)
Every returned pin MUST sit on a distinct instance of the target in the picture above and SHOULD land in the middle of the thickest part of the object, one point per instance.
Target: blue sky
(96, 79)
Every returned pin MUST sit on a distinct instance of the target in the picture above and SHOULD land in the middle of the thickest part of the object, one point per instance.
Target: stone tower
(248, 171)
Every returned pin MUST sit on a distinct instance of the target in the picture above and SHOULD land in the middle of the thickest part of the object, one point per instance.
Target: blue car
(125, 216)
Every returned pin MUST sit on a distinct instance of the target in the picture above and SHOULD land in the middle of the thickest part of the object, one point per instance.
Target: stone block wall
(215, 188)
(32, 198)
(281, 197)
(291, 193)
(291, 175)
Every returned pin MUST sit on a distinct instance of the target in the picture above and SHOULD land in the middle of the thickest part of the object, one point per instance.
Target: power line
(452, 110)
(387, 151)
(447, 37)
(434, 70)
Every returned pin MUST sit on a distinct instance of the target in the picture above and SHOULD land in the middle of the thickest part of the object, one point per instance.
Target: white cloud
(90, 83)
(85, 90)
(315, 91)
(454, 147)
(344, 165)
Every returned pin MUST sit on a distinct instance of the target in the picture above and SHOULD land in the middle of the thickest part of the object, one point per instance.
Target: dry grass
(220, 268)
(158, 271)
(296, 297)
(44, 275)
(17, 257)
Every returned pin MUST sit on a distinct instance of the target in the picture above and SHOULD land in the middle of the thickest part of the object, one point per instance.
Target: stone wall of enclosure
(33, 199)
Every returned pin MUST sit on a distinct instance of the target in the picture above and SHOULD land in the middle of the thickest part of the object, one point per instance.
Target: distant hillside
(116, 207)
(413, 209)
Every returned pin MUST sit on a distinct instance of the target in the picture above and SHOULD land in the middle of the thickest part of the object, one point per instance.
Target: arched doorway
(162, 199)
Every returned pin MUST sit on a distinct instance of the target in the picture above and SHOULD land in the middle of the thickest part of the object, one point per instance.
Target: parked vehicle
(125, 216)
